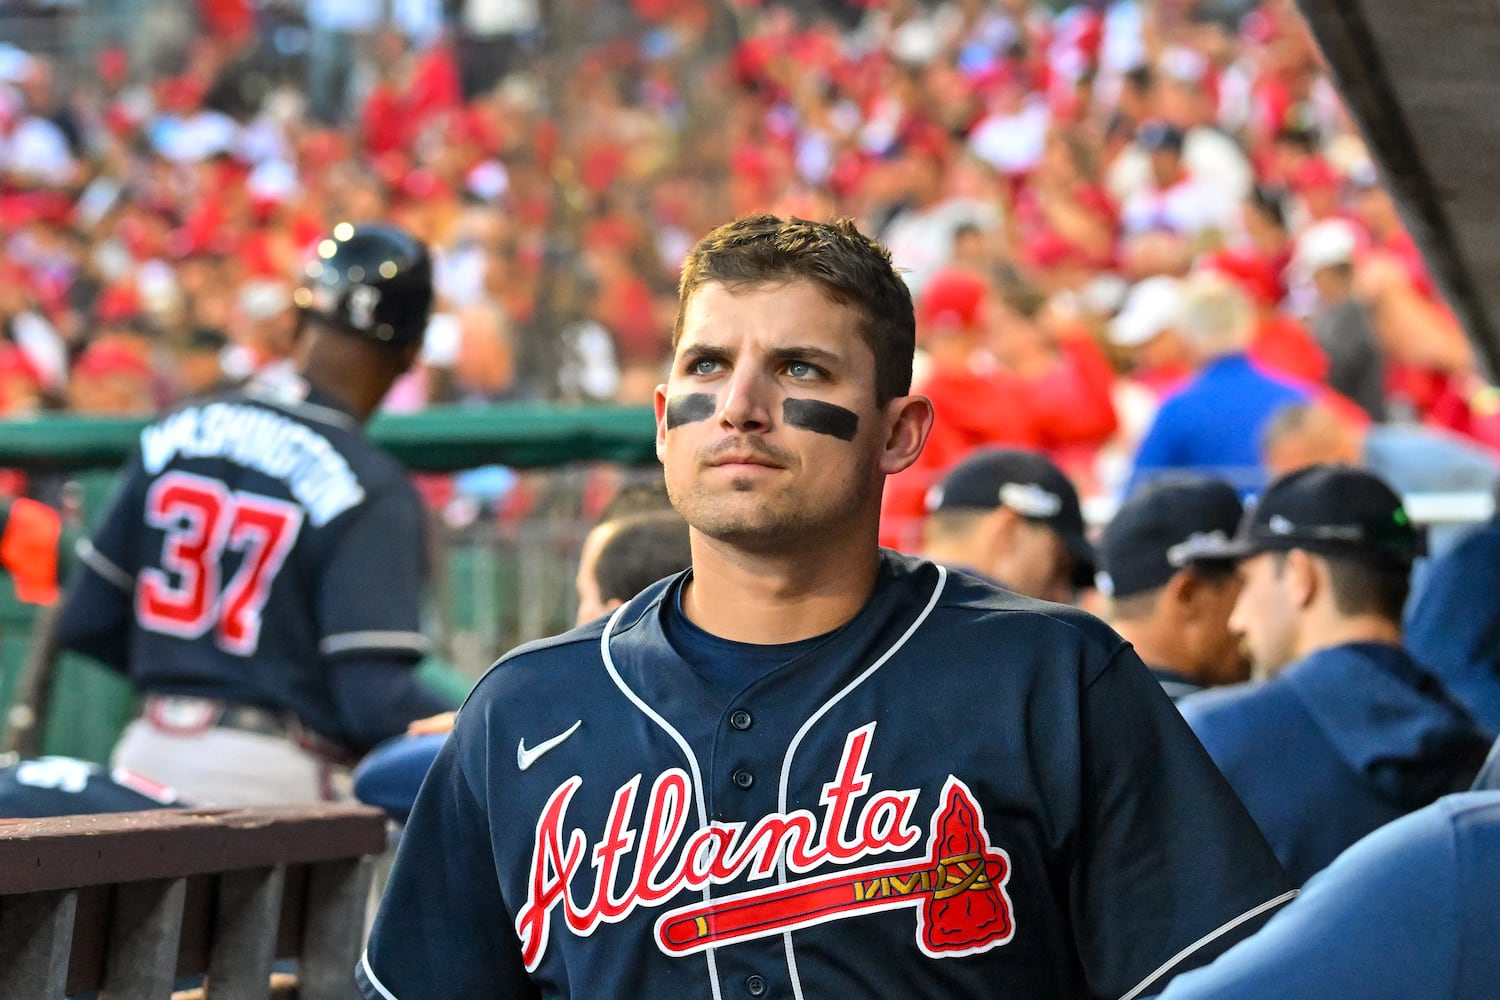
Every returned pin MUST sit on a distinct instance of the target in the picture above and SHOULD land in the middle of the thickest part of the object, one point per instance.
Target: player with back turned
(808, 767)
(258, 574)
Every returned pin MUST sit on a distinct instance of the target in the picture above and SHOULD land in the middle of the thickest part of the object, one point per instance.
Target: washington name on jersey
(313, 470)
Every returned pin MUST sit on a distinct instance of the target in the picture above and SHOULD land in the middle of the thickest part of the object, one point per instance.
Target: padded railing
(442, 439)
(187, 903)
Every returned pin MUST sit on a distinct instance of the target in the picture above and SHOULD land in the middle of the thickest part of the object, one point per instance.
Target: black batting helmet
(371, 280)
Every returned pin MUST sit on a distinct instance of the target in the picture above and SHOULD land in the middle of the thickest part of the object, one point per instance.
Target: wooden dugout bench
(128, 905)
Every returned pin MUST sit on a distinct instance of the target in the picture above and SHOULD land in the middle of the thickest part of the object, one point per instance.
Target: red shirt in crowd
(973, 409)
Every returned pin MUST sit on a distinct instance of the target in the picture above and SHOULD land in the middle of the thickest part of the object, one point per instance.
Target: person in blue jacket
(1346, 731)
(1407, 913)
(1453, 622)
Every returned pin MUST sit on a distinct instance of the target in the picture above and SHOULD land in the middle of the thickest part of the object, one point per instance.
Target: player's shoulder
(979, 606)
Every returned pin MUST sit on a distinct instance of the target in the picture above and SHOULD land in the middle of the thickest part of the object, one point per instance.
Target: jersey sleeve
(1172, 869)
(370, 587)
(98, 606)
(443, 929)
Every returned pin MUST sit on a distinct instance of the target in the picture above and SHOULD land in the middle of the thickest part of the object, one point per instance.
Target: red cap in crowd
(1255, 276)
(1314, 173)
(106, 357)
(951, 301)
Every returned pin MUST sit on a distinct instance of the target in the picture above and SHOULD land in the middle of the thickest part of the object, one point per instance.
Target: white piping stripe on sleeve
(101, 564)
(786, 763)
(654, 716)
(373, 639)
(364, 964)
(1250, 914)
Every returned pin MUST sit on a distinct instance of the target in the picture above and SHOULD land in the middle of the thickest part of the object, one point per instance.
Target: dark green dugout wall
(90, 704)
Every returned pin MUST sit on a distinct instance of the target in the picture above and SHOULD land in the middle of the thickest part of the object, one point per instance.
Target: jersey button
(755, 986)
(742, 779)
(740, 720)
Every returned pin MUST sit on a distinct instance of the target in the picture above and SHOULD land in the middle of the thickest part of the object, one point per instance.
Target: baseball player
(806, 766)
(1345, 731)
(1012, 517)
(259, 572)
(1169, 596)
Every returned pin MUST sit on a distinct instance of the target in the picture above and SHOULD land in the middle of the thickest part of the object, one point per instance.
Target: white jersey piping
(364, 962)
(373, 639)
(786, 764)
(682, 744)
(104, 566)
(1223, 929)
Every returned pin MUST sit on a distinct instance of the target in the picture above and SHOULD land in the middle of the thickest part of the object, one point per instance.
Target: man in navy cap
(1012, 517)
(1170, 592)
(1346, 732)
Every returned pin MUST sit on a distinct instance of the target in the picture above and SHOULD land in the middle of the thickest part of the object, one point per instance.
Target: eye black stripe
(689, 408)
(820, 417)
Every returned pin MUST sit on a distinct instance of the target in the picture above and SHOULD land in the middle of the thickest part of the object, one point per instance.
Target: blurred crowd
(1056, 180)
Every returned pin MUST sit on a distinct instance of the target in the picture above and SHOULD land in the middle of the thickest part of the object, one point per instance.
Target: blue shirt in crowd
(1214, 424)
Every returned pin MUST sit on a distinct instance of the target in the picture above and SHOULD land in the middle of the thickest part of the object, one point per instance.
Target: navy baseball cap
(1170, 524)
(1330, 510)
(1029, 484)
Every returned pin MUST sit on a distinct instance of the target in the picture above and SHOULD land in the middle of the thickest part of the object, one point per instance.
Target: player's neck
(773, 599)
(1157, 647)
(1338, 630)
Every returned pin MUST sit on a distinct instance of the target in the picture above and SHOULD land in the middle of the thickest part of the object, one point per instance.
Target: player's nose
(746, 400)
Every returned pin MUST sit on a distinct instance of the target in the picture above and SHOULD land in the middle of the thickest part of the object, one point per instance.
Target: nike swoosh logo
(525, 758)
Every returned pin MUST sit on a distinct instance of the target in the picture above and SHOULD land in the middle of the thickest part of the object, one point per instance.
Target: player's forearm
(376, 699)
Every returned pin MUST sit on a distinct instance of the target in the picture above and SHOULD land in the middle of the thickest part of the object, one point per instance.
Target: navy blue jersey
(959, 793)
(1407, 913)
(253, 539)
(1341, 742)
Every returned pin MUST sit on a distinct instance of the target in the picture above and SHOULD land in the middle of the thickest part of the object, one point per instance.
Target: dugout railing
(213, 904)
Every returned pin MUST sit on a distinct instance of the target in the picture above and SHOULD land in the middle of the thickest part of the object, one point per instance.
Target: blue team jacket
(1453, 623)
(1408, 913)
(1343, 741)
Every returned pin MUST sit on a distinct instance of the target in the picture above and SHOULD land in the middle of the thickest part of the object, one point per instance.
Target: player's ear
(908, 420)
(1304, 577)
(1183, 588)
(659, 404)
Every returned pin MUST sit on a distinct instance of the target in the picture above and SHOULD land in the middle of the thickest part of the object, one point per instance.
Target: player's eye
(802, 370)
(704, 366)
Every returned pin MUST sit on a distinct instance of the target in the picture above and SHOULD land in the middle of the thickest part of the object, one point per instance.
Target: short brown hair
(850, 268)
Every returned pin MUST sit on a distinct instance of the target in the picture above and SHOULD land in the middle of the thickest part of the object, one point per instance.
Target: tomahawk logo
(958, 891)
(957, 887)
